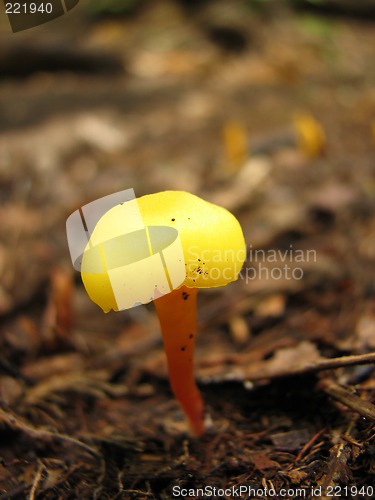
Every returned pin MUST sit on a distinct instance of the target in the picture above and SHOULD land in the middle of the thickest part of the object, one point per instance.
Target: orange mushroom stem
(163, 247)
(177, 314)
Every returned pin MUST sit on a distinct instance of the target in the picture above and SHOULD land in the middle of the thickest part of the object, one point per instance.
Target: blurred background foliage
(126, 7)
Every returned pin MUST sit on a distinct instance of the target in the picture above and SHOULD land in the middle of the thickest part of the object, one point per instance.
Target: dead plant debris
(207, 102)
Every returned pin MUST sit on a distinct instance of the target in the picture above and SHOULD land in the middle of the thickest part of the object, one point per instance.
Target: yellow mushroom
(213, 252)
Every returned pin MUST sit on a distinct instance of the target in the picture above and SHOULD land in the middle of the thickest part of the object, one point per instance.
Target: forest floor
(162, 99)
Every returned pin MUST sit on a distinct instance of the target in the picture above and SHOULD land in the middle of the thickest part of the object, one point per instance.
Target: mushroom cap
(212, 241)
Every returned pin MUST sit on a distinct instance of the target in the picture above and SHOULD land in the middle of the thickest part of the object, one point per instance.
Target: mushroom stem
(177, 312)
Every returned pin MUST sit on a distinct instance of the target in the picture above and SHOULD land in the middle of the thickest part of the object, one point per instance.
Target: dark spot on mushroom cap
(185, 295)
(183, 348)
(191, 336)
(173, 220)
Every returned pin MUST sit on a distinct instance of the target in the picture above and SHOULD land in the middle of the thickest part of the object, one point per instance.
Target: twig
(322, 364)
(40, 433)
(307, 446)
(333, 363)
(363, 407)
(254, 374)
(337, 466)
(139, 493)
(37, 481)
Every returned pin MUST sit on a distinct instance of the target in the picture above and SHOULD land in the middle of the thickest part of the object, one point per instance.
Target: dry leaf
(291, 440)
(262, 462)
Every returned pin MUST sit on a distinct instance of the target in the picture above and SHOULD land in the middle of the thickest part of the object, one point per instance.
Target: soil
(265, 108)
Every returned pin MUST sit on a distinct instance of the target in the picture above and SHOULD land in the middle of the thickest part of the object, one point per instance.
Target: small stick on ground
(39, 433)
(363, 407)
(251, 374)
(37, 480)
